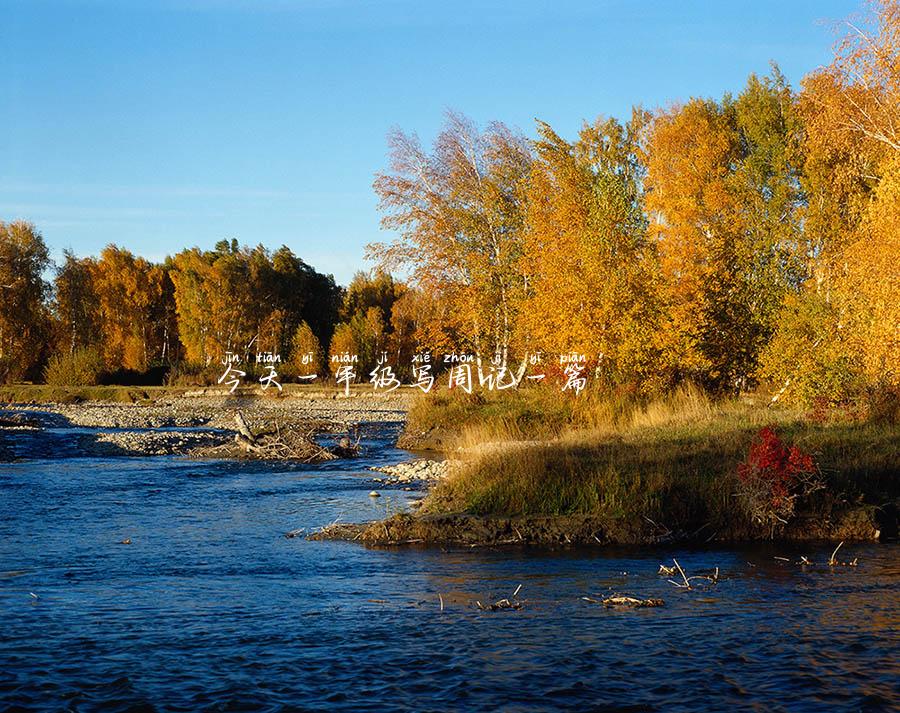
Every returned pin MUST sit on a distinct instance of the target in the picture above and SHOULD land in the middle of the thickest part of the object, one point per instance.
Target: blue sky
(164, 124)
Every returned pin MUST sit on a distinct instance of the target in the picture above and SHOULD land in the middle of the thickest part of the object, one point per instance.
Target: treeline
(117, 316)
(724, 241)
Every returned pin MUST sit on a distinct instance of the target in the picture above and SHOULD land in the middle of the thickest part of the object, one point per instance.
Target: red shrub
(774, 476)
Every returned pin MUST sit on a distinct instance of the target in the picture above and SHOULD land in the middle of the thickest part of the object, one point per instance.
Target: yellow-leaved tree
(24, 324)
(843, 331)
(869, 289)
(458, 213)
(130, 292)
(588, 269)
(725, 205)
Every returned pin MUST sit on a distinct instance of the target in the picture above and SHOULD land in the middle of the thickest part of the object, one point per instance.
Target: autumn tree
(344, 343)
(849, 111)
(243, 300)
(307, 356)
(409, 313)
(725, 199)
(809, 357)
(866, 71)
(217, 310)
(76, 305)
(868, 292)
(24, 320)
(288, 291)
(846, 320)
(586, 261)
(367, 309)
(691, 149)
(131, 293)
(767, 259)
(458, 211)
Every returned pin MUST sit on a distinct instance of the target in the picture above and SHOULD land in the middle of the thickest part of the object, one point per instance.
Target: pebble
(417, 470)
(218, 411)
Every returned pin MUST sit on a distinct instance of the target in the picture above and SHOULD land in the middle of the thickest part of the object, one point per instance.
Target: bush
(883, 404)
(808, 356)
(82, 367)
(185, 374)
(774, 477)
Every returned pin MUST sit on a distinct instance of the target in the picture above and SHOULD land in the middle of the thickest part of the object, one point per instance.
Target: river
(211, 607)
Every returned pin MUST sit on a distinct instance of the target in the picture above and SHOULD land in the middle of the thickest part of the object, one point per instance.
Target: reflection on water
(212, 607)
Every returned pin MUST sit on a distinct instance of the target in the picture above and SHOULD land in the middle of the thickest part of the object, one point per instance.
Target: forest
(728, 242)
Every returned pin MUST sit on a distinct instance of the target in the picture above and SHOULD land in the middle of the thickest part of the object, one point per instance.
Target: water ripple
(211, 608)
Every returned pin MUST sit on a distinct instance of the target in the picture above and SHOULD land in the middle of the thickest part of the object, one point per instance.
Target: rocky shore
(217, 411)
(155, 443)
(416, 471)
(194, 426)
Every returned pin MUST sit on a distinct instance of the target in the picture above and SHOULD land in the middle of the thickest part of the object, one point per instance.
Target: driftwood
(294, 442)
(500, 604)
(833, 561)
(335, 531)
(510, 603)
(242, 426)
(685, 582)
(621, 601)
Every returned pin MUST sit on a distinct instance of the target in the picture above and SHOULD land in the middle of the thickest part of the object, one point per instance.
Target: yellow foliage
(869, 290)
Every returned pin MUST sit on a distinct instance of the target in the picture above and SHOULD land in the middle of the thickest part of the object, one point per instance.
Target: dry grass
(43, 393)
(672, 460)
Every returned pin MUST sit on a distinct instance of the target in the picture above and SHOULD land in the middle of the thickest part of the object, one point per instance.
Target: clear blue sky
(163, 124)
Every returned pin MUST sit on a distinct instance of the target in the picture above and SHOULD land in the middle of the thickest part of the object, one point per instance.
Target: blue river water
(211, 607)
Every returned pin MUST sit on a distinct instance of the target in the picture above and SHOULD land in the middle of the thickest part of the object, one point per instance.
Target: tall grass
(542, 413)
(671, 460)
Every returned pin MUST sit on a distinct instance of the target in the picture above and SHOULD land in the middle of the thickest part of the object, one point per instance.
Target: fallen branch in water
(832, 562)
(685, 580)
(663, 534)
(511, 603)
(294, 442)
(804, 561)
(500, 604)
(621, 601)
(336, 531)
(687, 583)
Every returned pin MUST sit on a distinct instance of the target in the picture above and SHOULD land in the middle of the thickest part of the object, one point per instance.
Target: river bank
(865, 523)
(535, 469)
